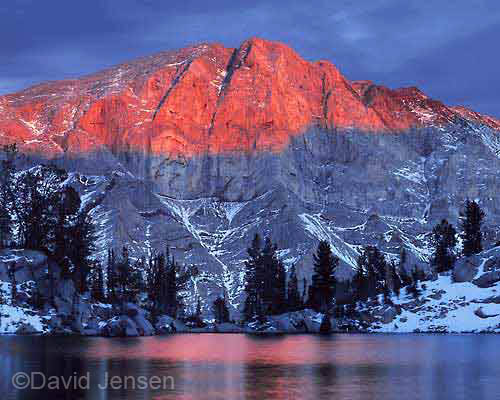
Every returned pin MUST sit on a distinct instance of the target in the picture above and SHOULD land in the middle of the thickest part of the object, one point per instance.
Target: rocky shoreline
(464, 301)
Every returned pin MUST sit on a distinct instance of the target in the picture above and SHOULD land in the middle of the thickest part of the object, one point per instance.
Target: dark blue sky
(450, 49)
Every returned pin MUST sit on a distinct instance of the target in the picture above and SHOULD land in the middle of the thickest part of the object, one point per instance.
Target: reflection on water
(209, 366)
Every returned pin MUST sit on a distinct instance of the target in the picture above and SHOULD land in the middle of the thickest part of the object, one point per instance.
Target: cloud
(389, 41)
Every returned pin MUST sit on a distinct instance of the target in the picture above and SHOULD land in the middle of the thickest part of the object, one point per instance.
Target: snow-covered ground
(447, 306)
(19, 319)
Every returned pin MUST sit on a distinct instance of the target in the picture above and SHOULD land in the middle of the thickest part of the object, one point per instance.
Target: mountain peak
(209, 98)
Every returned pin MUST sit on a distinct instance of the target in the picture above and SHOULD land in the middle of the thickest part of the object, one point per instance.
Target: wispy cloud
(390, 41)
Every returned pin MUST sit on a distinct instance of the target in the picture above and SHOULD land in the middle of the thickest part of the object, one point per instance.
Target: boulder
(437, 295)
(297, 322)
(92, 324)
(119, 326)
(102, 311)
(481, 314)
(25, 328)
(492, 299)
(64, 293)
(492, 264)
(466, 269)
(77, 326)
(22, 297)
(389, 314)
(63, 306)
(129, 327)
(55, 324)
(144, 327)
(65, 289)
(85, 310)
(139, 316)
(167, 324)
(227, 327)
(487, 279)
(366, 317)
(131, 310)
(28, 264)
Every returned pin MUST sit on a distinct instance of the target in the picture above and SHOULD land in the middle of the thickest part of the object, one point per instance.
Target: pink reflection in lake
(232, 366)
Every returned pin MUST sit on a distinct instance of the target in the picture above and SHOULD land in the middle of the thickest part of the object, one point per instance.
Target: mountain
(209, 98)
(203, 147)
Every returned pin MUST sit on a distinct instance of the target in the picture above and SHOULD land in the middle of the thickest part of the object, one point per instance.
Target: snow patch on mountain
(344, 251)
(491, 139)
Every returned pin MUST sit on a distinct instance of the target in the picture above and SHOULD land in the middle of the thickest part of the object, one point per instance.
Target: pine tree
(6, 193)
(5, 227)
(198, 307)
(47, 216)
(358, 284)
(253, 307)
(220, 310)
(97, 289)
(326, 325)
(67, 203)
(266, 279)
(386, 291)
(350, 309)
(137, 284)
(82, 245)
(13, 284)
(402, 256)
(294, 300)
(76, 314)
(373, 266)
(51, 281)
(123, 277)
(111, 279)
(444, 241)
(472, 218)
(396, 281)
(164, 282)
(128, 278)
(156, 285)
(38, 200)
(198, 315)
(304, 291)
(322, 289)
(35, 299)
(151, 288)
(279, 304)
(414, 288)
(173, 301)
(405, 279)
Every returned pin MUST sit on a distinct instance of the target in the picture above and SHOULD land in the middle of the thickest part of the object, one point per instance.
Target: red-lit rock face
(209, 98)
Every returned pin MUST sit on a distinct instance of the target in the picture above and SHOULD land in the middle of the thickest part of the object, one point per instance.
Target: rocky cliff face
(206, 146)
(208, 98)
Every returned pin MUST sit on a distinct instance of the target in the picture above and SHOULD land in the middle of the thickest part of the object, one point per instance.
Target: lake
(232, 366)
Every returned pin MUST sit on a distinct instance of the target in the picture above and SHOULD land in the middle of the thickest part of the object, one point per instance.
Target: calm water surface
(210, 366)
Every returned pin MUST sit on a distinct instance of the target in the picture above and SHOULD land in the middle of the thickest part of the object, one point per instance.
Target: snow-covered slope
(444, 305)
